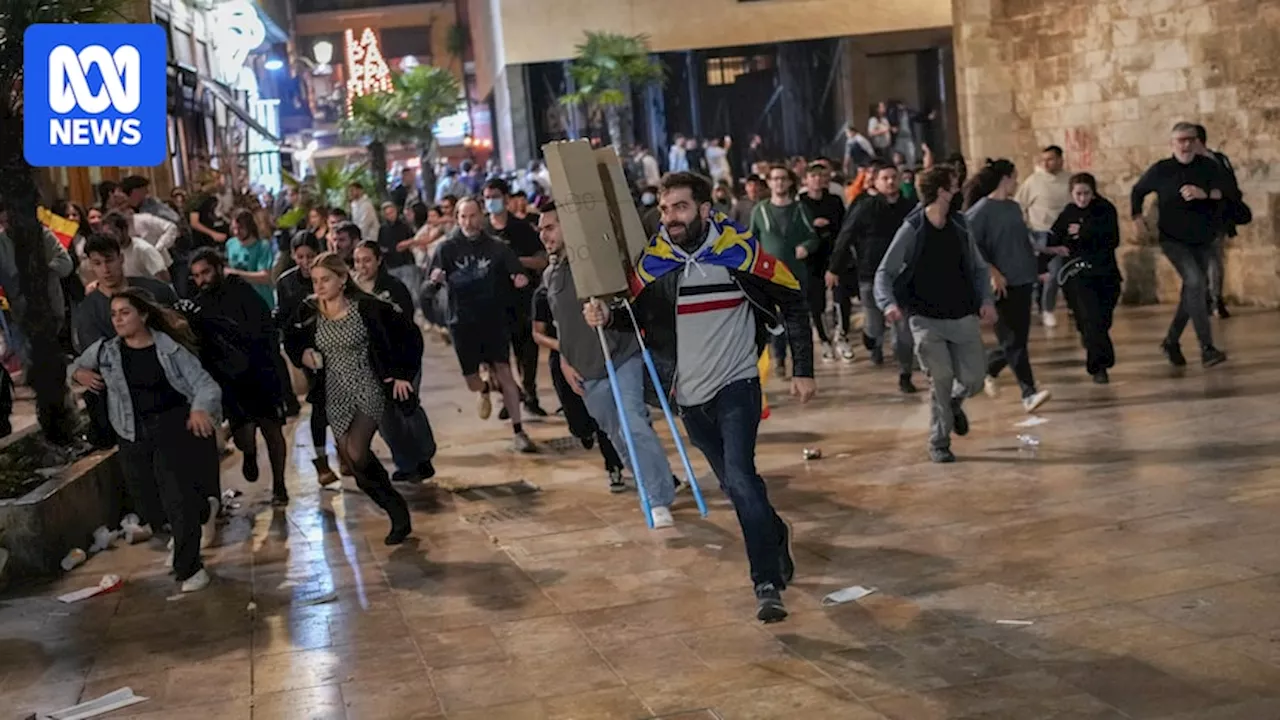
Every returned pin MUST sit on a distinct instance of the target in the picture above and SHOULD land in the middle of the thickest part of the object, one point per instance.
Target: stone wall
(1106, 80)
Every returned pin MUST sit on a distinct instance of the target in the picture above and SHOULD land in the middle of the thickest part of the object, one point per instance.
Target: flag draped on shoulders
(730, 246)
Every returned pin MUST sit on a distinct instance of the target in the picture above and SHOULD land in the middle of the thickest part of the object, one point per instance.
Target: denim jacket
(181, 368)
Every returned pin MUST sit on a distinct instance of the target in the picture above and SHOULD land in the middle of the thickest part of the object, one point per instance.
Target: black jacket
(395, 344)
(1097, 238)
(387, 287)
(292, 287)
(865, 236)
(655, 309)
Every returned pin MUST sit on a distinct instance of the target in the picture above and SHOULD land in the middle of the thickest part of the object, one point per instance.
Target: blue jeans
(651, 457)
(409, 436)
(724, 429)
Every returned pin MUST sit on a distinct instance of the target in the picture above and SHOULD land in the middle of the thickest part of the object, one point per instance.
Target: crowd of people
(191, 315)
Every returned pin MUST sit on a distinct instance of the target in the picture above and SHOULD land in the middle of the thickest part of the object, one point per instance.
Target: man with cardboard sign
(707, 297)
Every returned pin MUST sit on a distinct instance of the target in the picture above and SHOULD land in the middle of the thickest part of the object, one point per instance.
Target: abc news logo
(94, 94)
(121, 90)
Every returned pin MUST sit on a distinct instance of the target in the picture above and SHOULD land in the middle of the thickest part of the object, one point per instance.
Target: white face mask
(495, 206)
(648, 199)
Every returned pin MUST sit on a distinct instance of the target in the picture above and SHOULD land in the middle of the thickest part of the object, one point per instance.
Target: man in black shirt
(255, 400)
(934, 274)
(482, 275)
(1188, 187)
(827, 212)
(871, 226)
(523, 241)
(395, 237)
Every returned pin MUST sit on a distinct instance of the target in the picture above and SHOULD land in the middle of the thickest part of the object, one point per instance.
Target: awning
(225, 97)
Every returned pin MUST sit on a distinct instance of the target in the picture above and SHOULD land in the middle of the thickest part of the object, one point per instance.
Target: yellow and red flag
(62, 228)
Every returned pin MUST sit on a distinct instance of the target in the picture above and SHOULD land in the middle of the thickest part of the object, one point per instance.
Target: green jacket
(783, 245)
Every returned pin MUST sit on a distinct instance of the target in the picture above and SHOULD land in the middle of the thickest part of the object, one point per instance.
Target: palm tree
(18, 188)
(417, 101)
(604, 70)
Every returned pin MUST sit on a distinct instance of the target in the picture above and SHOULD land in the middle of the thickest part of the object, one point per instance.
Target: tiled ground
(1140, 540)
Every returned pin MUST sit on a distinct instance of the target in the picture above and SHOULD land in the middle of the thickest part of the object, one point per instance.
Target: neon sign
(367, 71)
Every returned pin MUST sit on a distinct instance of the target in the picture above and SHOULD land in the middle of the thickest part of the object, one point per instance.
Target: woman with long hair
(997, 227)
(250, 255)
(408, 434)
(369, 354)
(318, 223)
(164, 406)
(1090, 230)
(292, 289)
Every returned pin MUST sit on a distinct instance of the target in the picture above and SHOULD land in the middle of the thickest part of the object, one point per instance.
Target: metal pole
(626, 426)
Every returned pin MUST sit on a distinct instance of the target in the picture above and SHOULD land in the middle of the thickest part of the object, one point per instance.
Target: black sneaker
(280, 499)
(398, 535)
(503, 414)
(905, 386)
(1174, 353)
(676, 483)
(588, 441)
(787, 560)
(426, 471)
(877, 356)
(942, 455)
(1211, 356)
(960, 422)
(1223, 313)
(249, 467)
(404, 477)
(1101, 378)
(769, 607)
(533, 408)
(616, 483)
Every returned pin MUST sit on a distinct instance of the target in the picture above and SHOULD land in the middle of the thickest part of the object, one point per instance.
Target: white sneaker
(168, 562)
(197, 582)
(845, 349)
(662, 518)
(1032, 402)
(990, 387)
(828, 353)
(209, 530)
(1050, 320)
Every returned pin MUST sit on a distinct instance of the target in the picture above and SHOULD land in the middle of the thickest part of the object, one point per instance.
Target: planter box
(39, 528)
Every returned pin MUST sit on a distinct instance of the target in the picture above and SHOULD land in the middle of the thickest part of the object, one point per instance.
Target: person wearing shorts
(481, 275)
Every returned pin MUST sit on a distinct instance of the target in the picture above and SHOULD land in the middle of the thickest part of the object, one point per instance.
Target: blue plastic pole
(626, 427)
(666, 410)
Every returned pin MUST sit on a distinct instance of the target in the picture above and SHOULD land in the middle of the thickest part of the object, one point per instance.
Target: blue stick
(666, 410)
(626, 428)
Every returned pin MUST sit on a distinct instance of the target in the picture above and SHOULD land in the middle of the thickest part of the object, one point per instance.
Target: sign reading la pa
(94, 95)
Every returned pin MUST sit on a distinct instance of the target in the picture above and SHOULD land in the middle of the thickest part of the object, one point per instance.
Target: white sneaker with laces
(1050, 320)
(661, 518)
(1032, 402)
(990, 387)
(197, 582)
(828, 353)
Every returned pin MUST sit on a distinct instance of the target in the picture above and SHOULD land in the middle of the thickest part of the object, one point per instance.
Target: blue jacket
(181, 368)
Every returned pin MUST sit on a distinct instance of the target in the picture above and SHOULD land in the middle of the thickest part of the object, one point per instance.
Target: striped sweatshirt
(715, 331)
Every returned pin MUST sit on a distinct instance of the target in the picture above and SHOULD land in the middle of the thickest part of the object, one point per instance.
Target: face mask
(495, 206)
(648, 199)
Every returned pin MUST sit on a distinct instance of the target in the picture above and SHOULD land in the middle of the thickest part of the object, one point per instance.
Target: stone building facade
(1106, 80)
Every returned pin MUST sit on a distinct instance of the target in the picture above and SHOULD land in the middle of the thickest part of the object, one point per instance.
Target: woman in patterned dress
(370, 353)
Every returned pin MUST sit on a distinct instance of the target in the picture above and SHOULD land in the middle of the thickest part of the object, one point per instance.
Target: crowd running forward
(214, 311)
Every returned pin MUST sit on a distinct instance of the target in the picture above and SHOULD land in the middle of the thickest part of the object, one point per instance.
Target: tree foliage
(604, 69)
(408, 114)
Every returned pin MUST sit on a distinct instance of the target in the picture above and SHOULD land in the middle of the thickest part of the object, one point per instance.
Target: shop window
(726, 70)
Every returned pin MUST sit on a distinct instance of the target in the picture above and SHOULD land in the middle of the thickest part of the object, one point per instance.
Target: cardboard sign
(602, 230)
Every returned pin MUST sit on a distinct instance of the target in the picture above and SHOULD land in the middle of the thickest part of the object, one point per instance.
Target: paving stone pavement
(1138, 539)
